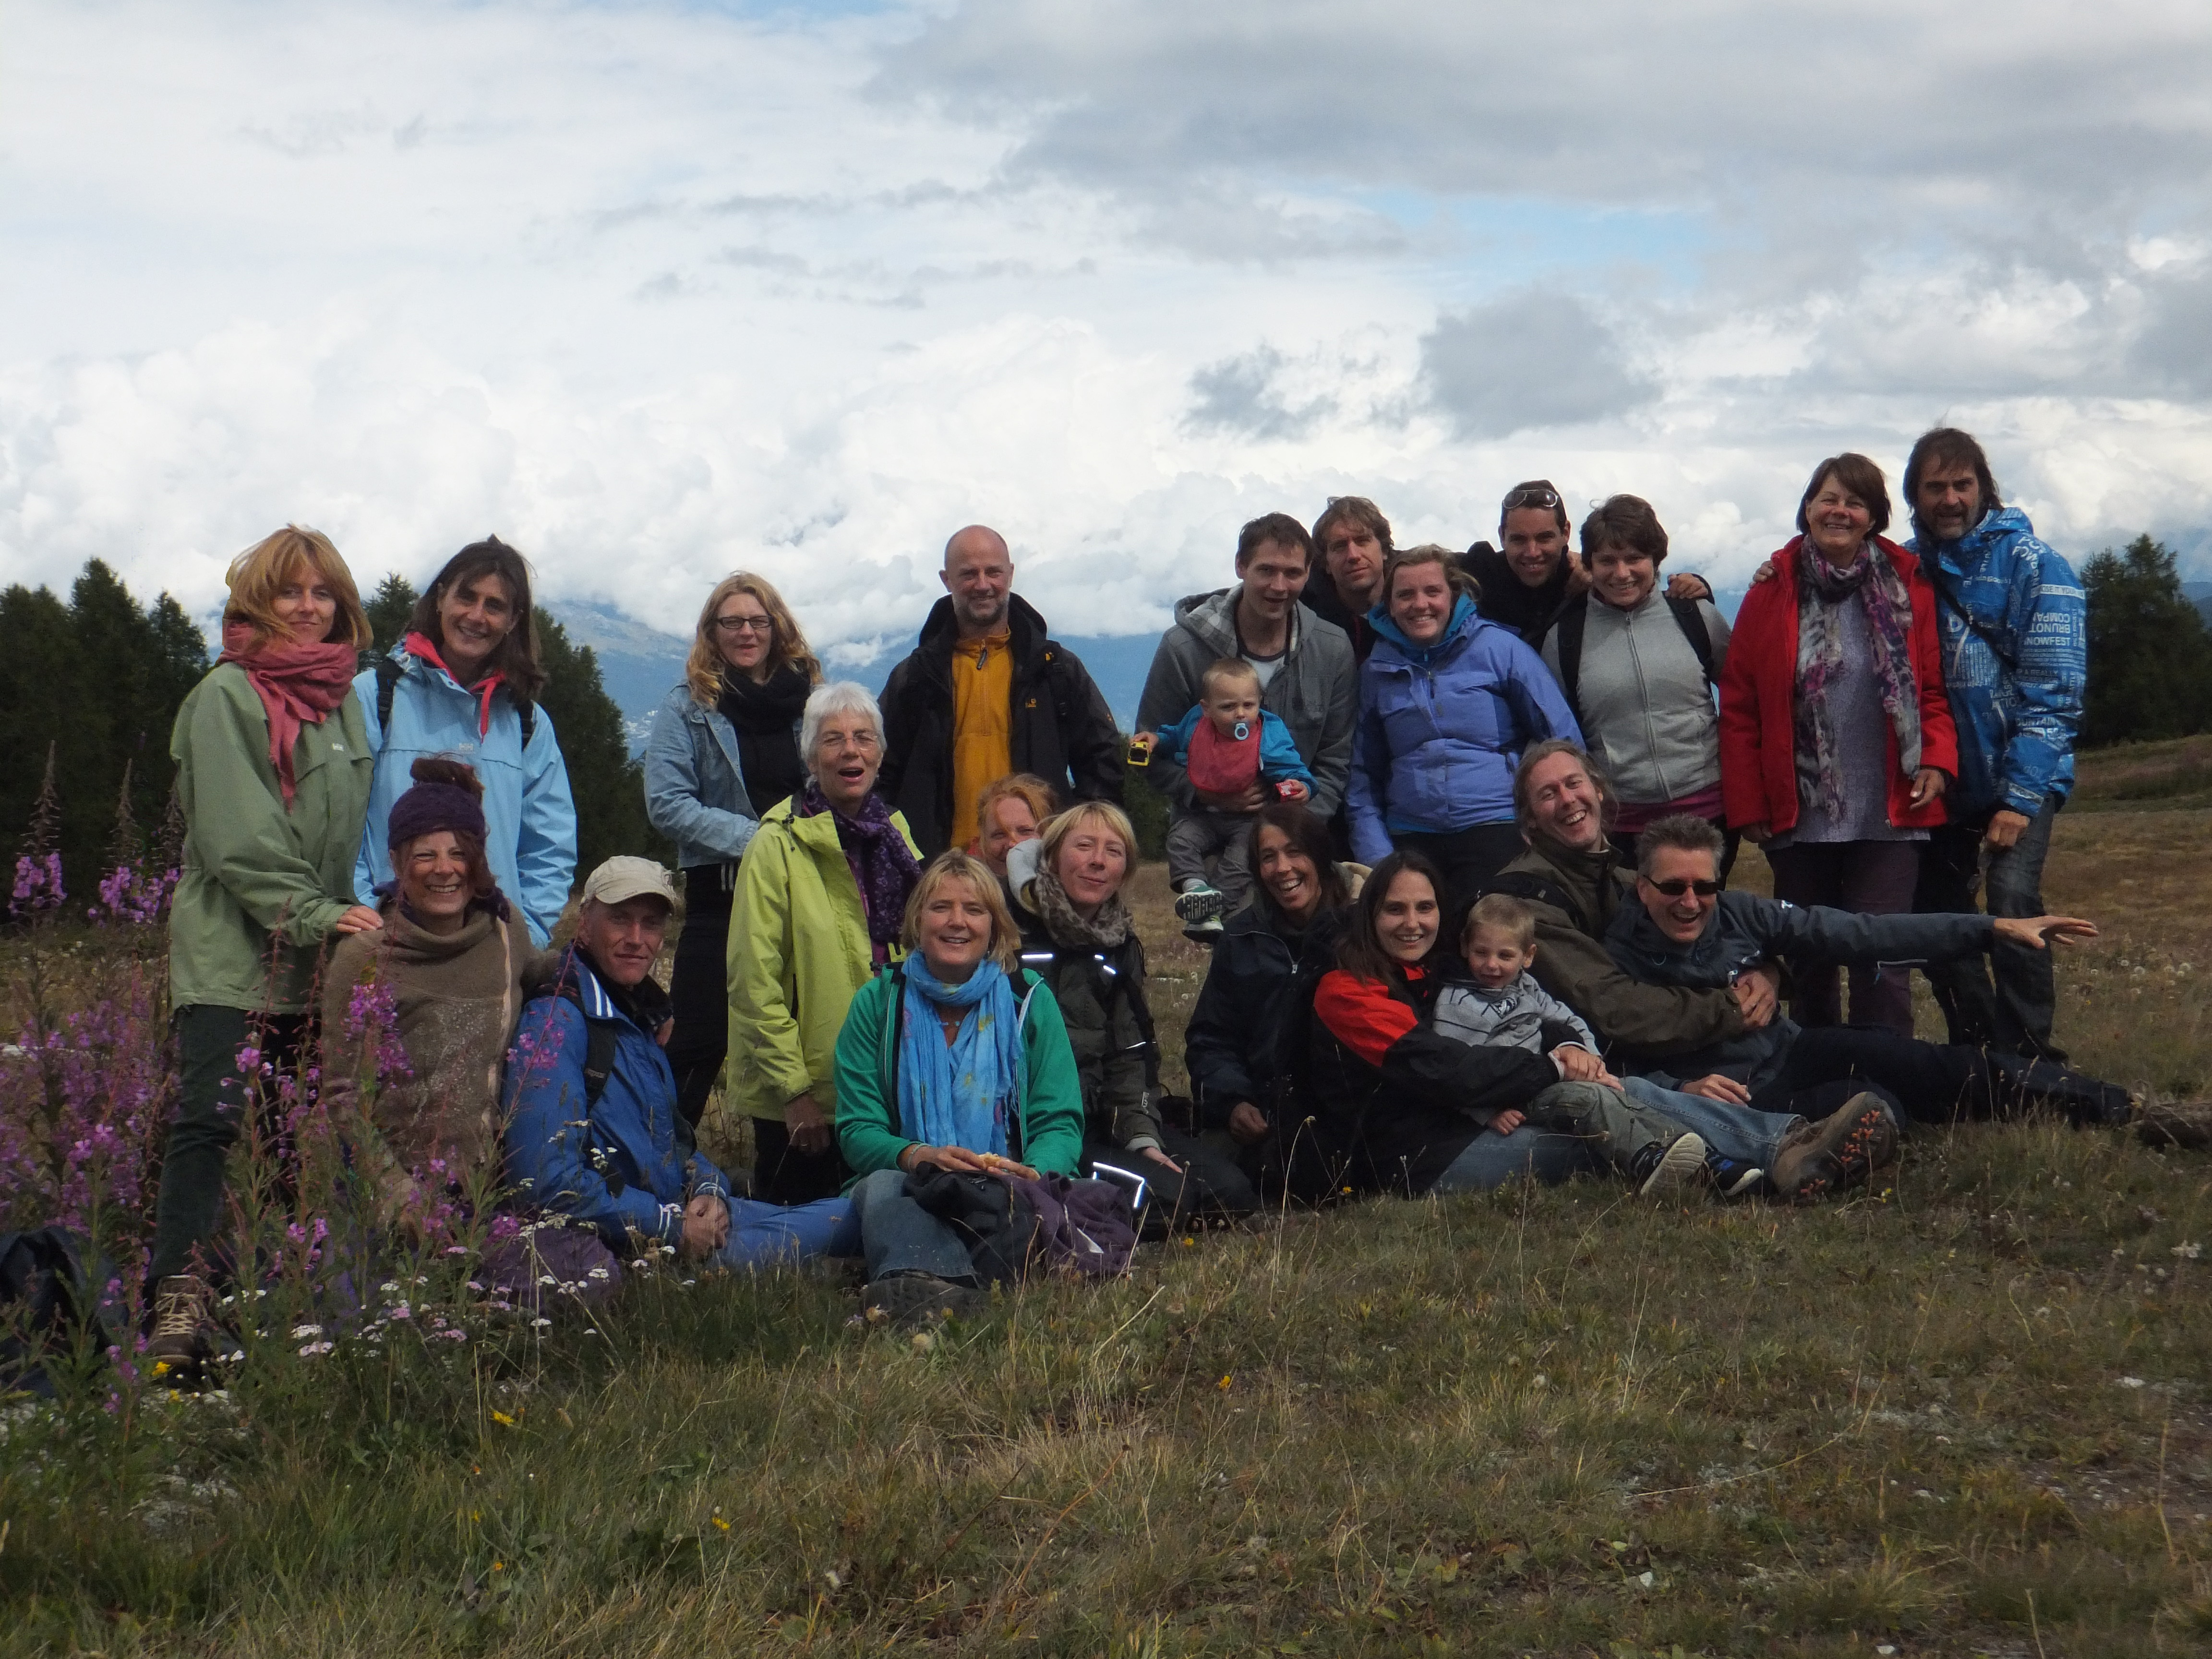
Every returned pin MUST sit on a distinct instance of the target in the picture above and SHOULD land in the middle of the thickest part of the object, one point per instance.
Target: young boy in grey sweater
(1506, 1008)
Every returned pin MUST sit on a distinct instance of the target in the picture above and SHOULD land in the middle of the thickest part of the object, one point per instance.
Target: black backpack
(49, 1304)
(389, 671)
(1574, 616)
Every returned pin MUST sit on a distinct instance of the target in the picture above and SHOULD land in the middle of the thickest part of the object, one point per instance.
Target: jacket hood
(1462, 623)
(1212, 618)
(942, 628)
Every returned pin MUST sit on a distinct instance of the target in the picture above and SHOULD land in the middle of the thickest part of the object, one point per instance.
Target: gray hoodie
(1315, 691)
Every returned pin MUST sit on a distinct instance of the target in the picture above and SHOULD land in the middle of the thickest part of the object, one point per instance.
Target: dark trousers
(1932, 1082)
(1468, 858)
(1874, 878)
(1209, 1188)
(782, 1175)
(2014, 1013)
(214, 1098)
(700, 989)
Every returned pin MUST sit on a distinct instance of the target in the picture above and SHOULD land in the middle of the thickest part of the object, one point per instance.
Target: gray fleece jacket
(1645, 709)
(1315, 691)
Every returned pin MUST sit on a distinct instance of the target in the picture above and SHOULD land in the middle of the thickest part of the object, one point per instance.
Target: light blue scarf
(959, 1094)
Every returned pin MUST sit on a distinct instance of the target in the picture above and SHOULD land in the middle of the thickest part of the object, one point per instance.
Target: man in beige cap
(592, 1125)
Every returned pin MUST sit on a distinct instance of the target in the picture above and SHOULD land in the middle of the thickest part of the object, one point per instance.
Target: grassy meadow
(1970, 1415)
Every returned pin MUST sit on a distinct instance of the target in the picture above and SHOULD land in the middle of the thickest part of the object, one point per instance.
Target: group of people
(1457, 827)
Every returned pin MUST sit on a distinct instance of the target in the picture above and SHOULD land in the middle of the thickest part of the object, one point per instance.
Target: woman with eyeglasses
(724, 749)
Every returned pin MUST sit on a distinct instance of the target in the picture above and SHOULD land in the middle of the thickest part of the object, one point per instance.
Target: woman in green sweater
(958, 1058)
(273, 770)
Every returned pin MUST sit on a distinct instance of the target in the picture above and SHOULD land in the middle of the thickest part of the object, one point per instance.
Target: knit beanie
(446, 795)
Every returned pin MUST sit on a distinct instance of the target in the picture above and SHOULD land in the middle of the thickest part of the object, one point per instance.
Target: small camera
(1141, 748)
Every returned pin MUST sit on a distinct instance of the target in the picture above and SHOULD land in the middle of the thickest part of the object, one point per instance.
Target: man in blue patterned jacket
(2015, 650)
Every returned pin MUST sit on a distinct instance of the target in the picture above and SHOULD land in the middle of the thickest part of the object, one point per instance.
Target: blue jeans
(1735, 1132)
(897, 1236)
(767, 1235)
(1491, 1160)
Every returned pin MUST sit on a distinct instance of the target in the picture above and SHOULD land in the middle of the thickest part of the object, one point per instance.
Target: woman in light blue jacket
(724, 749)
(1447, 703)
(465, 682)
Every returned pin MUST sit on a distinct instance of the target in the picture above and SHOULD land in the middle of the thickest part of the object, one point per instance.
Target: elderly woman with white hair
(819, 906)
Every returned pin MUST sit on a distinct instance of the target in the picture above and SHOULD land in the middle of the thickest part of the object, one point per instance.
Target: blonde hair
(786, 646)
(1032, 791)
(1086, 812)
(1504, 913)
(1006, 947)
(257, 576)
(1222, 669)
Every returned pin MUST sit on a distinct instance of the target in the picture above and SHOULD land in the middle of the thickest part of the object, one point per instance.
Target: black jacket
(1507, 601)
(1321, 598)
(1234, 1045)
(1062, 729)
(1396, 1126)
(1109, 1028)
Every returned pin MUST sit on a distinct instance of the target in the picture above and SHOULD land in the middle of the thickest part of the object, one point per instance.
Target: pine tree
(2150, 654)
(609, 787)
(388, 609)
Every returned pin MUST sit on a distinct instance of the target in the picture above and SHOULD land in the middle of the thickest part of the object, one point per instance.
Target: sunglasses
(1521, 498)
(1681, 884)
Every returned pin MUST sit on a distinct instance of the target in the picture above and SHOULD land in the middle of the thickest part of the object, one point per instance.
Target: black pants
(1934, 1082)
(2014, 1014)
(700, 988)
(1209, 1188)
(1468, 858)
(782, 1175)
(215, 1096)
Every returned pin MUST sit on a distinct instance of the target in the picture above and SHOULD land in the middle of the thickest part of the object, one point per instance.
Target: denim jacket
(695, 790)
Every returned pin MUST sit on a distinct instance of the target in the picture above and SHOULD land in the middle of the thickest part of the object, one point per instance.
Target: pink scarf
(298, 685)
(421, 646)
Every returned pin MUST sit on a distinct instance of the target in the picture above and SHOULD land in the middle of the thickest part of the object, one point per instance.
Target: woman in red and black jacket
(1400, 1108)
(1837, 742)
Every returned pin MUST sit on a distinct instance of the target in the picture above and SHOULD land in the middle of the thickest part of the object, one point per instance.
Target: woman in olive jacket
(273, 771)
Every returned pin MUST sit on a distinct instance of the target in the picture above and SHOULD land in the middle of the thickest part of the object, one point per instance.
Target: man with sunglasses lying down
(1687, 931)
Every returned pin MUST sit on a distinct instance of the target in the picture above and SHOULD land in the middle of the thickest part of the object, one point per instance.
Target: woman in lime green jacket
(819, 904)
(273, 770)
(956, 1059)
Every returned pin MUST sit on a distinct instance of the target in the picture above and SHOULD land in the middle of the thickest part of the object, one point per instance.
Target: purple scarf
(1820, 588)
(883, 865)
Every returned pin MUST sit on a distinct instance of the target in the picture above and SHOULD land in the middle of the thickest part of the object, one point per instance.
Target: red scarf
(420, 647)
(298, 685)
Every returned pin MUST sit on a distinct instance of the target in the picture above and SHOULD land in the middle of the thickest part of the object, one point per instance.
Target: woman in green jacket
(273, 770)
(956, 1059)
(820, 901)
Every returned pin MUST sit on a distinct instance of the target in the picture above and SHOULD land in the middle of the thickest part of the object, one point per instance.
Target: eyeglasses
(746, 624)
(1521, 498)
(1681, 884)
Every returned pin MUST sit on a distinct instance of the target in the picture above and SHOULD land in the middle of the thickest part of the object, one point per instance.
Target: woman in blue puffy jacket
(465, 682)
(724, 749)
(1447, 703)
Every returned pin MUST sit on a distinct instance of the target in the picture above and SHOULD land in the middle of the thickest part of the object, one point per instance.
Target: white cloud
(654, 291)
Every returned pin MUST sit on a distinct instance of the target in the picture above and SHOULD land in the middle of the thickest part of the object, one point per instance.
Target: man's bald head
(979, 574)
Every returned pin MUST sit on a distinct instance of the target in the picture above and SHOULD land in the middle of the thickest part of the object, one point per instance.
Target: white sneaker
(1682, 1164)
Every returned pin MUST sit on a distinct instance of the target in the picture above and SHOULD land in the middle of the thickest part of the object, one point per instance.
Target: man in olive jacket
(986, 693)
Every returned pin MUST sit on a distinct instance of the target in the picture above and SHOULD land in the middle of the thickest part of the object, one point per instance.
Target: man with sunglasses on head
(1529, 577)
(1685, 932)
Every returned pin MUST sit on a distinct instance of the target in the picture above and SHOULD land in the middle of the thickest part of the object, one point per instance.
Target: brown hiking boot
(182, 1339)
(1839, 1152)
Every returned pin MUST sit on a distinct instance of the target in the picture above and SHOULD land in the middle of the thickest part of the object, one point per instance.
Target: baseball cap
(623, 877)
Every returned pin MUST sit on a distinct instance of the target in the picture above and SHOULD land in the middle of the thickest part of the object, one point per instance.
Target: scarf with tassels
(299, 686)
(882, 863)
(961, 1093)
(1820, 589)
(423, 648)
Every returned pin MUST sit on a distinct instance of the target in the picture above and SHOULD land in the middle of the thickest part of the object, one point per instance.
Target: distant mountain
(638, 664)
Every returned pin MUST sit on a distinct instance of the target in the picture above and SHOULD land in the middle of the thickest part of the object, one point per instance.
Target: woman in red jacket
(1835, 738)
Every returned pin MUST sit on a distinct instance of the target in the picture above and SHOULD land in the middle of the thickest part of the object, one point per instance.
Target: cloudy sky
(659, 291)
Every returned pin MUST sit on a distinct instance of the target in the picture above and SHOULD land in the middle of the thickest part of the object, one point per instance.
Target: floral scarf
(1069, 930)
(1820, 589)
(961, 1093)
(299, 686)
(882, 863)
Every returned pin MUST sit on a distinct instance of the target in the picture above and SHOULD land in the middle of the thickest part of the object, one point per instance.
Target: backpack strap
(389, 671)
(600, 1041)
(1692, 622)
(1987, 635)
(1573, 618)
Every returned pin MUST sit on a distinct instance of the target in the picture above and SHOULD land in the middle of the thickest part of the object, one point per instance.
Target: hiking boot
(1731, 1176)
(1200, 904)
(1666, 1173)
(916, 1301)
(1839, 1152)
(182, 1339)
